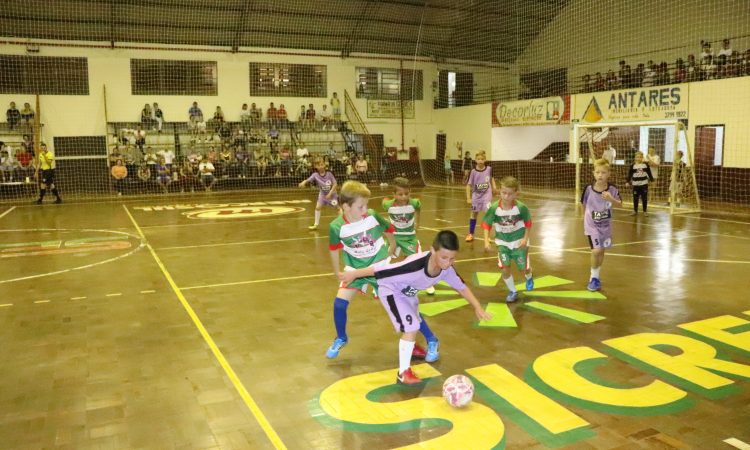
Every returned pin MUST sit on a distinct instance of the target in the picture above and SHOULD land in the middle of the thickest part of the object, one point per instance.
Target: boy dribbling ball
(403, 212)
(511, 221)
(399, 284)
(597, 200)
(326, 182)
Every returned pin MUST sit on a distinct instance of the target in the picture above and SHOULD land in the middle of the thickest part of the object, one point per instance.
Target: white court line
(734, 442)
(147, 292)
(42, 301)
(625, 255)
(240, 243)
(116, 294)
(77, 298)
(6, 212)
(5, 305)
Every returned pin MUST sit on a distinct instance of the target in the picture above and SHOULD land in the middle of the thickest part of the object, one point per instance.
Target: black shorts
(48, 176)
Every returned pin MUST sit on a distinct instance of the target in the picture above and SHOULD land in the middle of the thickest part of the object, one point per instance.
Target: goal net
(660, 146)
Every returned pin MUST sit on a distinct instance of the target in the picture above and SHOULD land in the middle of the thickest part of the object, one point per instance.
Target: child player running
(597, 200)
(479, 189)
(511, 220)
(403, 212)
(326, 182)
(399, 283)
(361, 233)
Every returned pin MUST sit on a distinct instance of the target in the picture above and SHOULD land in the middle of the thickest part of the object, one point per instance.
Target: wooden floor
(131, 325)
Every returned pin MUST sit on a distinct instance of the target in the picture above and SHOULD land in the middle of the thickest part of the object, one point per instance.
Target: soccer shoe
(419, 352)
(312, 227)
(530, 284)
(335, 348)
(408, 377)
(59, 200)
(645, 213)
(433, 353)
(594, 285)
(430, 290)
(469, 237)
(512, 297)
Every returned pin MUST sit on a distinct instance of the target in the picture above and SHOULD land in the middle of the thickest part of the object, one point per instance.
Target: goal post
(672, 160)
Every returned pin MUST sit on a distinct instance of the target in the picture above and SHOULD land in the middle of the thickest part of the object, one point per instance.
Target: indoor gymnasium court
(178, 297)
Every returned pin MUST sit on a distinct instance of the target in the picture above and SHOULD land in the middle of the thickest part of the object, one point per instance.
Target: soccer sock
(339, 316)
(595, 272)
(317, 216)
(404, 354)
(472, 225)
(425, 330)
(635, 201)
(509, 282)
(644, 199)
(41, 193)
(529, 276)
(54, 191)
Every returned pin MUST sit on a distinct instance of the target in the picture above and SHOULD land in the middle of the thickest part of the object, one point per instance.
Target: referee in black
(46, 161)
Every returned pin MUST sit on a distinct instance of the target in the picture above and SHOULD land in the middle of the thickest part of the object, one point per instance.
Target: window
(288, 80)
(389, 84)
(44, 75)
(167, 77)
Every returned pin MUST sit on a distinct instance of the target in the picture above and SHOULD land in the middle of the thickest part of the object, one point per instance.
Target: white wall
(84, 115)
(513, 143)
(471, 125)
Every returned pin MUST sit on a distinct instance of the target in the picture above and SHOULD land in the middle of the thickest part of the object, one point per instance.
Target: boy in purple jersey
(479, 189)
(327, 184)
(399, 283)
(597, 200)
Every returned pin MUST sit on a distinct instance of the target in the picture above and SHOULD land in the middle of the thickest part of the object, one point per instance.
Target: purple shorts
(334, 201)
(480, 205)
(403, 310)
(600, 239)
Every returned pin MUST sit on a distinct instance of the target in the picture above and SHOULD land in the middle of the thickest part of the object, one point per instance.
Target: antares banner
(389, 109)
(538, 111)
(633, 105)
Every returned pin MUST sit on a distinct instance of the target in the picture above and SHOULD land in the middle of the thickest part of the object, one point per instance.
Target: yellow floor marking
(42, 301)
(248, 399)
(6, 212)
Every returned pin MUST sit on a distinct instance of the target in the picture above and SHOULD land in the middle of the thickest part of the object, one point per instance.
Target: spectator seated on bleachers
(119, 173)
(196, 123)
(147, 117)
(207, 178)
(242, 166)
(8, 164)
(158, 117)
(216, 121)
(167, 155)
(362, 169)
(28, 144)
(256, 115)
(25, 164)
(282, 117)
(303, 165)
(286, 162)
(27, 116)
(272, 116)
(310, 117)
(163, 174)
(13, 116)
(245, 120)
(224, 163)
(189, 173)
(325, 118)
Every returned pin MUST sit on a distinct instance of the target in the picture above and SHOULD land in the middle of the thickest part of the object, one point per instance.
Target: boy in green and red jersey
(403, 212)
(361, 234)
(511, 220)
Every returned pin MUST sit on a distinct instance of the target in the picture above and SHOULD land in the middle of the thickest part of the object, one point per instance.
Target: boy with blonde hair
(479, 189)
(511, 221)
(597, 200)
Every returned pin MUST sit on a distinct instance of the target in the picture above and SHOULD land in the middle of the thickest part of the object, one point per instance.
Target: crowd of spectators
(222, 150)
(726, 63)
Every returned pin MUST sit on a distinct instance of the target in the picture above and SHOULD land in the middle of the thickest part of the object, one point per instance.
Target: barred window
(46, 75)
(389, 84)
(288, 80)
(173, 77)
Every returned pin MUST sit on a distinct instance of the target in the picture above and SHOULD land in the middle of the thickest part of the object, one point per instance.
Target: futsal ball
(458, 390)
(334, 202)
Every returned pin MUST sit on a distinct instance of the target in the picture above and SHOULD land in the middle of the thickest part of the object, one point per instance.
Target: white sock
(317, 216)
(404, 354)
(529, 276)
(595, 272)
(509, 282)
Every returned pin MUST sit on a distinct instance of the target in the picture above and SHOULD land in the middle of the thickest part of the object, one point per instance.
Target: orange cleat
(469, 237)
(419, 352)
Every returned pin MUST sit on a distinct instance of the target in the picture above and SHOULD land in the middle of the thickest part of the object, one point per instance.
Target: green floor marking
(501, 316)
(435, 308)
(544, 282)
(564, 313)
(566, 294)
(487, 279)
